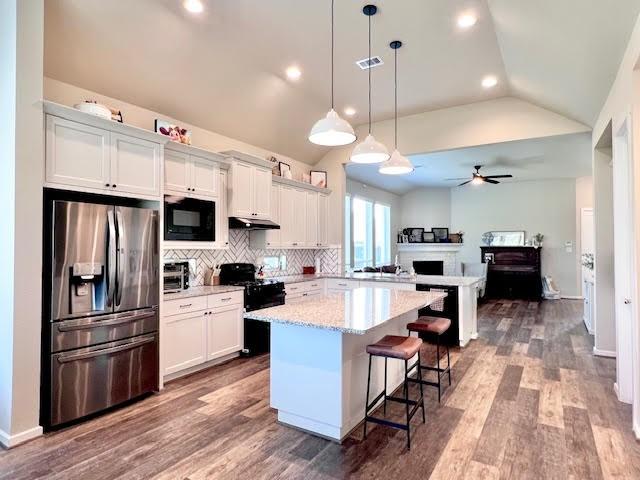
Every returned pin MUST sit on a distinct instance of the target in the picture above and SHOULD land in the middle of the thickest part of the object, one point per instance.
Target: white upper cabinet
(190, 174)
(80, 155)
(287, 219)
(177, 171)
(323, 220)
(241, 194)
(262, 193)
(135, 165)
(205, 177)
(222, 217)
(77, 154)
(250, 191)
(312, 220)
(274, 236)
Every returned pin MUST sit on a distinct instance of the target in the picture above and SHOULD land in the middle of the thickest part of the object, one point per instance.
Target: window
(367, 233)
(272, 263)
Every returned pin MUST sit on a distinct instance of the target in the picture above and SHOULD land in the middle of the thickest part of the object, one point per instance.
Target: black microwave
(189, 219)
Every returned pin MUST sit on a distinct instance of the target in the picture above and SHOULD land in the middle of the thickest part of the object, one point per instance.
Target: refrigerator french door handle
(107, 321)
(111, 258)
(121, 249)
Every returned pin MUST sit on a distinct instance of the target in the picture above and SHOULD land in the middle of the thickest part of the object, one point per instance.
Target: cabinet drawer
(315, 286)
(294, 289)
(224, 299)
(184, 305)
(339, 284)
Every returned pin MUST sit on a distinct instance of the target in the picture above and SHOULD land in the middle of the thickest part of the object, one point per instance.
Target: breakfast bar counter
(318, 354)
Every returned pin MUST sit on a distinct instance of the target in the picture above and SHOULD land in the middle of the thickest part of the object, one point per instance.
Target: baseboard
(604, 353)
(572, 297)
(616, 390)
(636, 431)
(10, 441)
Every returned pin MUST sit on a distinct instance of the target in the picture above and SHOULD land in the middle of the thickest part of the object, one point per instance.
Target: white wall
(426, 207)
(548, 207)
(21, 174)
(67, 94)
(359, 189)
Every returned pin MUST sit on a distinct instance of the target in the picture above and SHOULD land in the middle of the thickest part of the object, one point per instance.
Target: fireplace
(411, 254)
(428, 267)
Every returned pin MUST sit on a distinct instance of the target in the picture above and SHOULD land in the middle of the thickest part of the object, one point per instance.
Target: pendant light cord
(396, 97)
(332, 20)
(369, 74)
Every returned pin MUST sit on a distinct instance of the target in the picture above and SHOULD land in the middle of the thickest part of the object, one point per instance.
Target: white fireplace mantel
(445, 252)
(429, 247)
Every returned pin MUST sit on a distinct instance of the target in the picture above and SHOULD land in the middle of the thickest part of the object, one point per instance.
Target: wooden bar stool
(433, 327)
(401, 348)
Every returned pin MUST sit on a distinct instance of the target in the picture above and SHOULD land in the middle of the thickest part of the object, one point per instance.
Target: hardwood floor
(528, 400)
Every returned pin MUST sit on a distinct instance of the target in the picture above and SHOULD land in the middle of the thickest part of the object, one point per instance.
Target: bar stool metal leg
(438, 364)
(449, 365)
(424, 418)
(406, 404)
(366, 402)
(385, 387)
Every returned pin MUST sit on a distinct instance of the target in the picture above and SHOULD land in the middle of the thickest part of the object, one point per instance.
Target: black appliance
(100, 304)
(447, 308)
(189, 219)
(239, 223)
(428, 267)
(257, 294)
(176, 276)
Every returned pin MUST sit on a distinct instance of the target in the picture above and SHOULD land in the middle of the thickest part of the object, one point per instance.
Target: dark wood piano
(514, 272)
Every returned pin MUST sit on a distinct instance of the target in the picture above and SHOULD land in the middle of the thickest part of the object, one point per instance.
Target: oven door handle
(72, 357)
(126, 318)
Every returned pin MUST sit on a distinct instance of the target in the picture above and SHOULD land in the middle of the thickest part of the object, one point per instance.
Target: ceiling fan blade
(498, 176)
(488, 180)
(468, 181)
(455, 179)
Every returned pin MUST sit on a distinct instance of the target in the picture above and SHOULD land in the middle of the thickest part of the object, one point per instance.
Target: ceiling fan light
(398, 164)
(370, 151)
(332, 131)
(477, 180)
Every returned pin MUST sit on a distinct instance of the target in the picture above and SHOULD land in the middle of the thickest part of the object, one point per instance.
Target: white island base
(319, 377)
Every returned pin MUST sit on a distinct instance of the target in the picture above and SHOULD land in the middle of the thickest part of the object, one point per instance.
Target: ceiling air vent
(366, 63)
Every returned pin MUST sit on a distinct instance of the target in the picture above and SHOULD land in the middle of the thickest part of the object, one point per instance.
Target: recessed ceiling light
(193, 6)
(293, 73)
(489, 81)
(467, 20)
(350, 111)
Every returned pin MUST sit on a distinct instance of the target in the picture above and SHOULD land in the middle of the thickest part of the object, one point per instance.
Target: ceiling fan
(477, 178)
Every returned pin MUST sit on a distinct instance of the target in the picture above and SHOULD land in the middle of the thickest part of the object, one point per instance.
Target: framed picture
(275, 170)
(175, 132)
(428, 237)
(319, 179)
(455, 238)
(285, 169)
(441, 234)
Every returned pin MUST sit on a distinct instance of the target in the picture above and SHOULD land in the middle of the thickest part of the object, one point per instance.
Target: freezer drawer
(88, 380)
(85, 332)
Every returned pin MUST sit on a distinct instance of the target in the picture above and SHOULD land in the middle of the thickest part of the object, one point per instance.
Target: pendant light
(370, 151)
(398, 164)
(332, 131)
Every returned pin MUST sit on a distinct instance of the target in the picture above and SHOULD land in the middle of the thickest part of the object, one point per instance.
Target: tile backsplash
(239, 251)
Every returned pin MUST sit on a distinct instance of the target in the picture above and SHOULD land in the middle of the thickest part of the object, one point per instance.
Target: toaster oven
(176, 276)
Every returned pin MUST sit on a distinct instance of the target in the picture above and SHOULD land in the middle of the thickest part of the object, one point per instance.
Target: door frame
(624, 267)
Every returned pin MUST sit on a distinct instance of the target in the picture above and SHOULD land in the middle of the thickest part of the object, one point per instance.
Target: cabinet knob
(114, 185)
(107, 184)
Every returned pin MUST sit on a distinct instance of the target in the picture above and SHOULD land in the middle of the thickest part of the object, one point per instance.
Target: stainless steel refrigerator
(100, 341)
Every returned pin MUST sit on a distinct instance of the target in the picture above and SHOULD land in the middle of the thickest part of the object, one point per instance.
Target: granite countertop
(354, 311)
(201, 291)
(387, 277)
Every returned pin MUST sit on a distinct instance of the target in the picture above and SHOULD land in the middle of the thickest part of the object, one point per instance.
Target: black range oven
(189, 219)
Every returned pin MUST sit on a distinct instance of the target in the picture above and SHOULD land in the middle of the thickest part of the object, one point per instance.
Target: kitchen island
(460, 306)
(318, 354)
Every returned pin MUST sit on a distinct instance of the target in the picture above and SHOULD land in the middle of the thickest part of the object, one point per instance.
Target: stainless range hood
(239, 223)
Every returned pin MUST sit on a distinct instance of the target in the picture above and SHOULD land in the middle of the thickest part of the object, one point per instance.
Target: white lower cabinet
(184, 342)
(211, 327)
(224, 331)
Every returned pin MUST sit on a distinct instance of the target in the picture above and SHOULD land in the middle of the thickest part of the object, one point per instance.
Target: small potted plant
(537, 240)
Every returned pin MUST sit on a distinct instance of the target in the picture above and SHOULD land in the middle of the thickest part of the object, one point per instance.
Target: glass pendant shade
(398, 164)
(370, 151)
(332, 131)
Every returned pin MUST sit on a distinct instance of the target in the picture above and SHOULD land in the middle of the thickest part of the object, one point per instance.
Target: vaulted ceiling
(223, 70)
